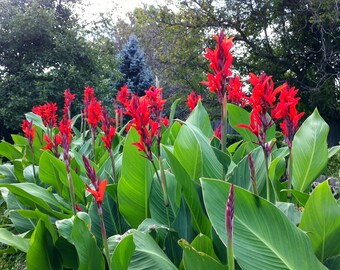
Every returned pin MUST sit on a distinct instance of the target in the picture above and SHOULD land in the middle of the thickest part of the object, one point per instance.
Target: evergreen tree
(136, 73)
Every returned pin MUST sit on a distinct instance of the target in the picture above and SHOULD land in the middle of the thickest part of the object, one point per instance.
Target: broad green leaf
(188, 151)
(237, 115)
(223, 158)
(158, 210)
(173, 110)
(199, 219)
(290, 210)
(321, 222)
(197, 260)
(68, 253)
(309, 150)
(13, 240)
(112, 219)
(135, 183)
(65, 226)
(333, 263)
(7, 174)
(37, 121)
(38, 197)
(194, 152)
(301, 197)
(122, 254)
(52, 171)
(147, 254)
(204, 244)
(42, 253)
(260, 229)
(22, 224)
(333, 150)
(9, 151)
(90, 256)
(240, 175)
(200, 118)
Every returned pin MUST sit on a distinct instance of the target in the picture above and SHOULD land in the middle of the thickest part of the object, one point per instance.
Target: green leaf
(9, 151)
(199, 219)
(237, 115)
(173, 110)
(147, 254)
(90, 256)
(333, 263)
(37, 121)
(52, 171)
(7, 174)
(135, 183)
(157, 209)
(13, 240)
(260, 229)
(42, 253)
(309, 150)
(240, 175)
(300, 196)
(38, 197)
(200, 118)
(111, 215)
(333, 150)
(321, 221)
(197, 260)
(194, 152)
(123, 253)
(290, 210)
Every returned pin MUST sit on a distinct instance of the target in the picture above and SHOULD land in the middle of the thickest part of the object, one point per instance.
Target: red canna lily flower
(165, 121)
(109, 131)
(235, 93)
(28, 129)
(193, 99)
(48, 113)
(286, 110)
(220, 62)
(123, 95)
(99, 193)
(52, 145)
(94, 113)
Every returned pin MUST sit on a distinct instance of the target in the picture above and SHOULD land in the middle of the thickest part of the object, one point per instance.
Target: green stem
(93, 137)
(224, 130)
(230, 254)
(102, 225)
(113, 166)
(290, 171)
(70, 183)
(33, 167)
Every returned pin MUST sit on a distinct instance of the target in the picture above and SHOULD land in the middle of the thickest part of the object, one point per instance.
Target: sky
(119, 7)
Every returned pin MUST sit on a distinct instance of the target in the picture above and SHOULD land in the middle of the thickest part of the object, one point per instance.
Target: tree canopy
(42, 53)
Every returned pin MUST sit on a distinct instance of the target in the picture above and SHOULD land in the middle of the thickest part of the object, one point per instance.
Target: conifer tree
(136, 73)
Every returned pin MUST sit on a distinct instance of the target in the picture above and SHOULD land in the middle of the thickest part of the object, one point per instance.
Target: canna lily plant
(140, 191)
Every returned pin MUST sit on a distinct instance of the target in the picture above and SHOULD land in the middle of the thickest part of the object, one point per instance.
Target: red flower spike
(99, 193)
(88, 96)
(123, 95)
(28, 129)
(220, 62)
(193, 99)
(94, 113)
(235, 93)
(286, 110)
(48, 113)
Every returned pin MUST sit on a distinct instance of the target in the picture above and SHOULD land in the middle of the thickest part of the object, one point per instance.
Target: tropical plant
(160, 193)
